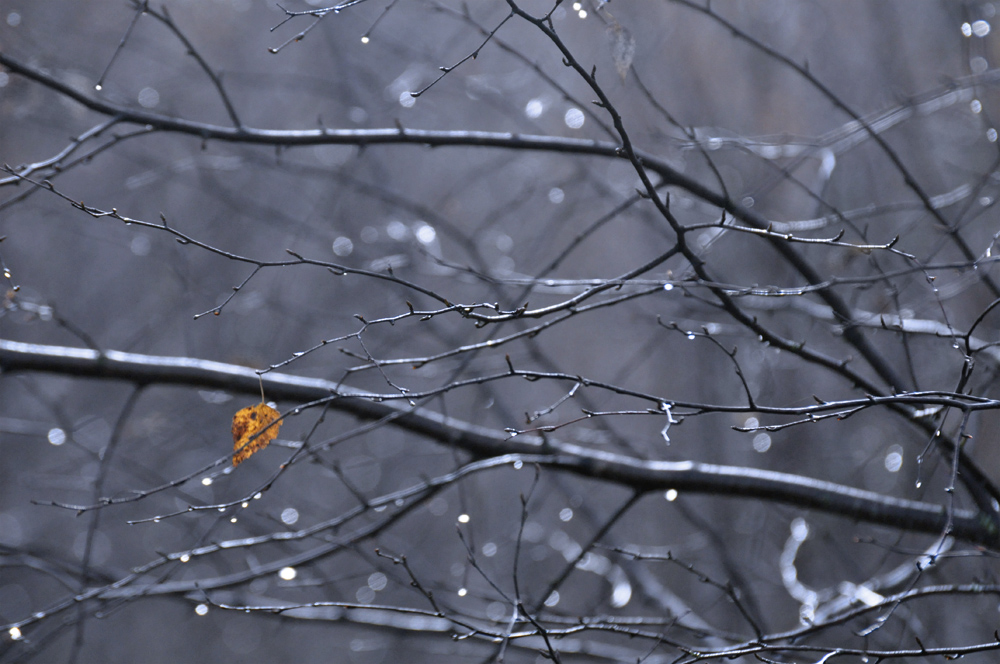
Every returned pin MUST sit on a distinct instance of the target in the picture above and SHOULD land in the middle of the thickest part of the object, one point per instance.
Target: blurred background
(758, 102)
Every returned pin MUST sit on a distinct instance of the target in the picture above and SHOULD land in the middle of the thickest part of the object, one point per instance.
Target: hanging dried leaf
(253, 428)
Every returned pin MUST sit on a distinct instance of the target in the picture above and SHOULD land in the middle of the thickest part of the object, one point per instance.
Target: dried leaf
(253, 428)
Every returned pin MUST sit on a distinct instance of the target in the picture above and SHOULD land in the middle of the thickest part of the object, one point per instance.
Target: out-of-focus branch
(638, 474)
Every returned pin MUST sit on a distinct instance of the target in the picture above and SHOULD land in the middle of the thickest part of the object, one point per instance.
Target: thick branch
(638, 474)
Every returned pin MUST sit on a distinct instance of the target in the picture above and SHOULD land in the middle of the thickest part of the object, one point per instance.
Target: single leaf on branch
(254, 427)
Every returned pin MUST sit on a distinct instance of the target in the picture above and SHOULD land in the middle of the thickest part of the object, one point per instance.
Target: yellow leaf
(253, 428)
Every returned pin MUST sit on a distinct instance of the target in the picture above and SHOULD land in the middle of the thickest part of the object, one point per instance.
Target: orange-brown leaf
(253, 428)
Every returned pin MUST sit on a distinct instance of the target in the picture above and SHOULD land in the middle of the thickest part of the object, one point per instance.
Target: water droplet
(574, 118)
